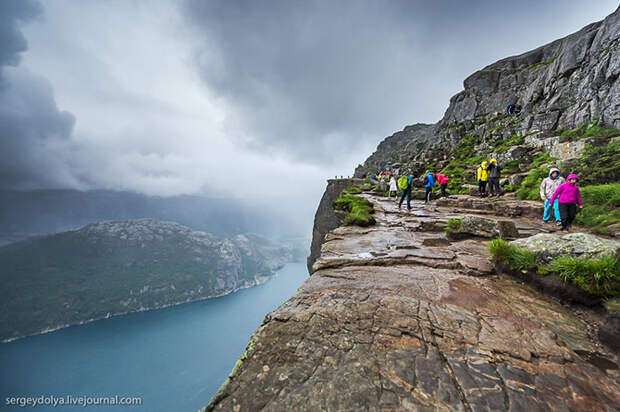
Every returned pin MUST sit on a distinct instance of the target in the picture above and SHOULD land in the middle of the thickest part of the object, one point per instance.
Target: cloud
(12, 42)
(318, 79)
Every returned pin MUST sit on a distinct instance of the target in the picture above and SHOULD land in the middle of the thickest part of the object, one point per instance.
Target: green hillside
(114, 267)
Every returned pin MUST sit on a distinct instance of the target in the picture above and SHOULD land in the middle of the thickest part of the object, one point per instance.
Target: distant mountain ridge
(49, 211)
(114, 267)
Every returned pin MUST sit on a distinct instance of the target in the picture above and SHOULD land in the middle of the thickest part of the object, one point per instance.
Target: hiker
(393, 188)
(429, 184)
(547, 188)
(483, 177)
(517, 109)
(443, 183)
(495, 171)
(510, 108)
(569, 197)
(405, 183)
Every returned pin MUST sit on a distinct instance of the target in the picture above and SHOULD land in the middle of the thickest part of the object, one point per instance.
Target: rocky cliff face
(562, 85)
(326, 218)
(115, 267)
(398, 317)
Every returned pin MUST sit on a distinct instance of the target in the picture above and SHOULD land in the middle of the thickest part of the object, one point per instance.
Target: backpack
(425, 180)
(403, 183)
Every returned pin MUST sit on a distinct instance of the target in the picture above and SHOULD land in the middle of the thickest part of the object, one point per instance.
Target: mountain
(561, 86)
(114, 267)
(409, 315)
(24, 214)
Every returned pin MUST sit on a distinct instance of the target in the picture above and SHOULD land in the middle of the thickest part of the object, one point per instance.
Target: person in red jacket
(443, 183)
(569, 197)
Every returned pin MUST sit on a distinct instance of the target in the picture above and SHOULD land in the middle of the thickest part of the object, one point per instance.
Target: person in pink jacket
(443, 183)
(569, 197)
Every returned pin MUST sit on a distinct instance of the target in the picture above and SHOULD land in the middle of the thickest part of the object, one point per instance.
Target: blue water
(174, 358)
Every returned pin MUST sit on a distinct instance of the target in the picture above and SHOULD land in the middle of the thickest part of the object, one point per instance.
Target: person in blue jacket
(429, 184)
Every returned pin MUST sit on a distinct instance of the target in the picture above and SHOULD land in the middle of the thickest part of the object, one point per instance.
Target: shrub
(517, 258)
(599, 163)
(453, 226)
(359, 210)
(530, 187)
(600, 208)
(599, 277)
(352, 190)
(588, 130)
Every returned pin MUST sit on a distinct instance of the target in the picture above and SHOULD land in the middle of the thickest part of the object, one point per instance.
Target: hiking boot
(558, 223)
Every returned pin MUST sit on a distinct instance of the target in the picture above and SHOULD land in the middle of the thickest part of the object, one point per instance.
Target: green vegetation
(352, 190)
(117, 267)
(600, 210)
(540, 64)
(503, 147)
(359, 210)
(543, 158)
(517, 258)
(588, 130)
(599, 162)
(453, 226)
(530, 188)
(599, 277)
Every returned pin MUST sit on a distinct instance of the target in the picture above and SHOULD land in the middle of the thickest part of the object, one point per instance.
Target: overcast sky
(252, 99)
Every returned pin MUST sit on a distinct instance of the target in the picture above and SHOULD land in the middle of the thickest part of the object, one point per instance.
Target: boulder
(517, 179)
(568, 150)
(548, 246)
(489, 228)
(473, 189)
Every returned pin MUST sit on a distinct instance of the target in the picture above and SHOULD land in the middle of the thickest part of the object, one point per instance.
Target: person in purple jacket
(569, 197)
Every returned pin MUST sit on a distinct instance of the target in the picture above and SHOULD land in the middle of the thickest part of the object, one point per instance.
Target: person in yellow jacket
(483, 178)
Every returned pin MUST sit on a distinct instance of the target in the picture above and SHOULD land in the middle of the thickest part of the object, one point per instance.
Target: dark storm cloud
(12, 42)
(33, 131)
(315, 79)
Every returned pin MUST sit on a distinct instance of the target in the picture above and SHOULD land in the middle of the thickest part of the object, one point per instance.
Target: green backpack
(402, 183)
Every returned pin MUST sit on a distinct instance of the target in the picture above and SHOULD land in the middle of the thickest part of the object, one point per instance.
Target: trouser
(494, 185)
(443, 186)
(568, 211)
(427, 196)
(482, 187)
(406, 192)
(556, 211)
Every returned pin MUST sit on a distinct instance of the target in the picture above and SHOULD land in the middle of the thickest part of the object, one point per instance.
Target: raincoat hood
(493, 160)
(484, 164)
(572, 176)
(553, 169)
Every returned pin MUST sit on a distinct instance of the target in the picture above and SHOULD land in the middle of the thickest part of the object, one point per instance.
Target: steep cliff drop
(400, 317)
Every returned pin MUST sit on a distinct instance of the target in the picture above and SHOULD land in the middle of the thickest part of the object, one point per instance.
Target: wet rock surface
(398, 317)
(487, 227)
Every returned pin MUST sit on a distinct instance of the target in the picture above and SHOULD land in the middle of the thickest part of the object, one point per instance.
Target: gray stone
(487, 227)
(517, 179)
(549, 246)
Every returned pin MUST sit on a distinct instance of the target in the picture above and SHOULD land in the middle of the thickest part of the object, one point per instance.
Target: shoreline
(256, 282)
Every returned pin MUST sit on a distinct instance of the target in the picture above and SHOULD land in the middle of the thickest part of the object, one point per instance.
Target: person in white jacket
(393, 188)
(547, 187)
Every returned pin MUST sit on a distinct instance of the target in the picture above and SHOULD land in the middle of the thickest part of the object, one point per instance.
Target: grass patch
(600, 210)
(588, 130)
(600, 277)
(352, 190)
(543, 158)
(517, 258)
(540, 64)
(530, 187)
(359, 210)
(515, 140)
(453, 226)
(599, 162)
